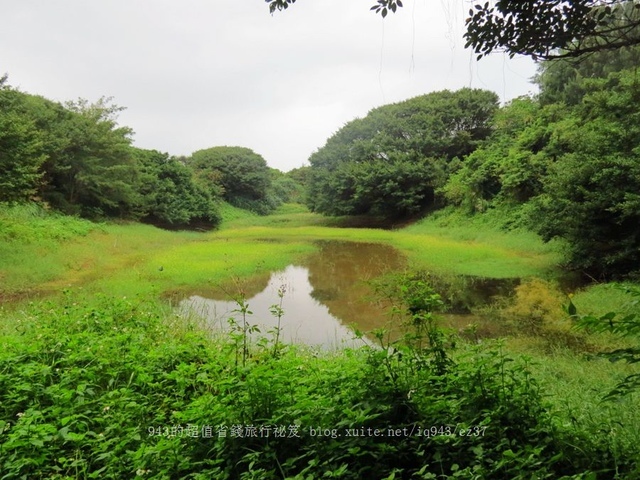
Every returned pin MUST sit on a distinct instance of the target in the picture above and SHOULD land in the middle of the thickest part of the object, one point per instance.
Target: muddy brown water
(331, 291)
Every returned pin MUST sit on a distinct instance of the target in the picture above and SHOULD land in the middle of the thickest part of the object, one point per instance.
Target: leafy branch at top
(541, 29)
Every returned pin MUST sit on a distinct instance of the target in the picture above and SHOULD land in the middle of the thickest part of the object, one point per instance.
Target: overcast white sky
(195, 74)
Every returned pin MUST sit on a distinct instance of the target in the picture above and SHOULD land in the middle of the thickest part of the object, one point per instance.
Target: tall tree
(92, 172)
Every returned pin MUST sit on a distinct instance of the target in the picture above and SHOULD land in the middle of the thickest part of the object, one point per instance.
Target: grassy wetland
(447, 288)
(101, 376)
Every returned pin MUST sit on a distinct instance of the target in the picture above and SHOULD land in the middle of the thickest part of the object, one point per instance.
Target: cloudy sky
(194, 74)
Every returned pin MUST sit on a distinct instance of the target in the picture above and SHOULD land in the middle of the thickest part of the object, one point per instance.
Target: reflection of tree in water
(232, 290)
(339, 273)
(463, 292)
(332, 288)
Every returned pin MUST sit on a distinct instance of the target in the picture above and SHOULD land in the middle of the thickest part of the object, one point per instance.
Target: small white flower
(20, 414)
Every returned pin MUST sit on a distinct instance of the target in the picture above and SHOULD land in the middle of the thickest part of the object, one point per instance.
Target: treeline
(563, 163)
(75, 158)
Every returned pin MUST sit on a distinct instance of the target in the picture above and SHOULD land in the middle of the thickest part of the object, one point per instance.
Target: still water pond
(325, 295)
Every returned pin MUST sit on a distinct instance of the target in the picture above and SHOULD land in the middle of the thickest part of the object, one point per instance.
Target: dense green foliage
(241, 175)
(171, 196)
(566, 164)
(391, 162)
(111, 389)
(592, 195)
(21, 147)
(509, 167)
(284, 188)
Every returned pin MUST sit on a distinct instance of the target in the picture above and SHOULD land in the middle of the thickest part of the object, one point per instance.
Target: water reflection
(331, 291)
(322, 296)
(306, 320)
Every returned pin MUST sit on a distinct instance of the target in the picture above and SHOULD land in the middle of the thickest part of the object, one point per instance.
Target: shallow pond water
(305, 319)
(331, 291)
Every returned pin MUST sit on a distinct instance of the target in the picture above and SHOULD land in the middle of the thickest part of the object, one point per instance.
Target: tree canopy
(391, 162)
(22, 151)
(73, 156)
(591, 193)
(238, 174)
(552, 28)
(171, 196)
(90, 169)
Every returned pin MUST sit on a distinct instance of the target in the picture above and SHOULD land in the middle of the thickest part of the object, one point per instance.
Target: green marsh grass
(602, 298)
(231, 214)
(34, 246)
(285, 216)
(200, 265)
(141, 259)
(489, 229)
(441, 255)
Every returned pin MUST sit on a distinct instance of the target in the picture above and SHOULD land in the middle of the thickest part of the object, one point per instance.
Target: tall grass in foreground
(113, 388)
(576, 385)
